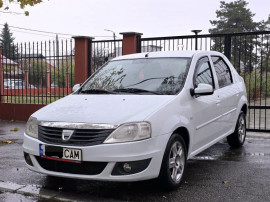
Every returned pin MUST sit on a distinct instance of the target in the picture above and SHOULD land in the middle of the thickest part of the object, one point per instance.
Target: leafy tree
(7, 42)
(36, 70)
(59, 73)
(265, 47)
(100, 57)
(235, 17)
(22, 3)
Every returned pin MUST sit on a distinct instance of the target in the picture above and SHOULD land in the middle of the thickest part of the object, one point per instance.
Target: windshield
(141, 76)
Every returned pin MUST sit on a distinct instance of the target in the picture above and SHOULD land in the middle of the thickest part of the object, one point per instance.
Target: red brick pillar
(67, 80)
(1, 78)
(26, 79)
(130, 42)
(48, 82)
(83, 58)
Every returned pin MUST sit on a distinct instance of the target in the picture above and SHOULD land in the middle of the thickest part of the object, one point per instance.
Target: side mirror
(202, 89)
(76, 87)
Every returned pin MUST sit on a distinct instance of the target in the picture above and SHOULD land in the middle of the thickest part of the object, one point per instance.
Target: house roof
(7, 61)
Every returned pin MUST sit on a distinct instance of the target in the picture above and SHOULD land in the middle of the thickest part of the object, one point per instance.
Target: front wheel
(237, 138)
(174, 162)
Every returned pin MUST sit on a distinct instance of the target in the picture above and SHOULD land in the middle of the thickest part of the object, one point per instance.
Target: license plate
(60, 153)
(72, 154)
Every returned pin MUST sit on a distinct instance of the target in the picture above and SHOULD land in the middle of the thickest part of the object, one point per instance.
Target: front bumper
(152, 148)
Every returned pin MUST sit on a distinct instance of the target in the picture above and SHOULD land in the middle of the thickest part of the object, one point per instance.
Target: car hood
(109, 109)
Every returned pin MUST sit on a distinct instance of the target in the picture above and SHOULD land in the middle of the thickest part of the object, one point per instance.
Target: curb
(259, 135)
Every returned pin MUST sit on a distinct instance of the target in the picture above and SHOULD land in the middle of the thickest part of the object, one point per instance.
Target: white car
(139, 117)
(7, 83)
(16, 84)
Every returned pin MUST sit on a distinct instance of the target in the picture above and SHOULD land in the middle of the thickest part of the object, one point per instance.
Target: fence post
(139, 44)
(83, 58)
(196, 32)
(1, 78)
(228, 46)
(131, 42)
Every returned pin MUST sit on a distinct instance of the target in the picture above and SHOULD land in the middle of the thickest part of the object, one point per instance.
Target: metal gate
(250, 55)
(248, 52)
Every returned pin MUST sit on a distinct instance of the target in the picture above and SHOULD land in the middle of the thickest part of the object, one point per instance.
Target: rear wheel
(174, 163)
(237, 138)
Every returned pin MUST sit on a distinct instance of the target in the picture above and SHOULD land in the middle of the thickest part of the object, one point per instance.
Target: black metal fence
(40, 73)
(250, 55)
(37, 73)
(103, 51)
(177, 43)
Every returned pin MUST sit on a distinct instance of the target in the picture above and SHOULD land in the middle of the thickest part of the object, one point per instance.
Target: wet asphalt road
(218, 174)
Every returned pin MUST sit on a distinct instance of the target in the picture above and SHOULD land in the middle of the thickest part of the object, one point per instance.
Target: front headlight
(32, 127)
(130, 132)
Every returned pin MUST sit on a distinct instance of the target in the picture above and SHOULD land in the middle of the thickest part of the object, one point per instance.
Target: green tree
(265, 47)
(9, 49)
(37, 70)
(235, 17)
(59, 73)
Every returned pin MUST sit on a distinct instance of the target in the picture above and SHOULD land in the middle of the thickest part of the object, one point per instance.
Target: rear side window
(223, 71)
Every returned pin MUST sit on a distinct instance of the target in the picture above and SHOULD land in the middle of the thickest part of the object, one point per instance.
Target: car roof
(169, 54)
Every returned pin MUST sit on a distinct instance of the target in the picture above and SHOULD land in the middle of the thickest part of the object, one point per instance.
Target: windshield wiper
(96, 91)
(168, 77)
(125, 90)
(135, 90)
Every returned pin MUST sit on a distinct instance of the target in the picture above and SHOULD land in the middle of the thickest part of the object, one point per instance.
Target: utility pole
(57, 45)
(57, 50)
(113, 40)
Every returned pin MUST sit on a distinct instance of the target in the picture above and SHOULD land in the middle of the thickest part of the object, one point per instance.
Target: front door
(206, 109)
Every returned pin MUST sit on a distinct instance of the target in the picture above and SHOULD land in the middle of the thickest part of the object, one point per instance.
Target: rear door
(228, 93)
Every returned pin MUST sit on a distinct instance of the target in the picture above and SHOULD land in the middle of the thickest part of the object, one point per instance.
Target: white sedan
(139, 117)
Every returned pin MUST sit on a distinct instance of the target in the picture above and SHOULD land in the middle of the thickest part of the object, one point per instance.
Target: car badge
(66, 135)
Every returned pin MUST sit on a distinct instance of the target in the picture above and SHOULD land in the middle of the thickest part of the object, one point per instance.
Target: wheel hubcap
(241, 129)
(176, 162)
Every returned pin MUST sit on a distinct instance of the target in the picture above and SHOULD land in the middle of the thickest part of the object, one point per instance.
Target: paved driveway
(218, 174)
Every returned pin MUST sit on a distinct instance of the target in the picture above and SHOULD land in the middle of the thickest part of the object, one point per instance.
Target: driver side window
(203, 72)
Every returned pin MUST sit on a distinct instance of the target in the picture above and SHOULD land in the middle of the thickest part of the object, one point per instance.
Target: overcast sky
(91, 17)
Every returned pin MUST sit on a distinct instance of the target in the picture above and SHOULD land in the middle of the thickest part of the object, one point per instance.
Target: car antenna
(146, 55)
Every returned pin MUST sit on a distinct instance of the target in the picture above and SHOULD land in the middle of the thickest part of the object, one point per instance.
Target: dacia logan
(139, 117)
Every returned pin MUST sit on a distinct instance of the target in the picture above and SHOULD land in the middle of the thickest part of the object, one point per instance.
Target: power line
(40, 31)
(11, 12)
(37, 34)
(34, 30)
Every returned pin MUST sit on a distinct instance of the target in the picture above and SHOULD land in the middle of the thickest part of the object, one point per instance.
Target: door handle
(218, 102)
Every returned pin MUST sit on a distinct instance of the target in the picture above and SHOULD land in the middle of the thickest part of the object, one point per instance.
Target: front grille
(80, 137)
(83, 168)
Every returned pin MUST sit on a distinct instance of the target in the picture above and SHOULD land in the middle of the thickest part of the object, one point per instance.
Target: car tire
(237, 138)
(173, 163)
